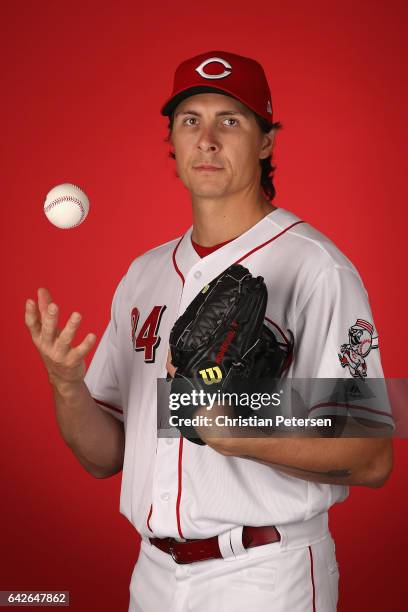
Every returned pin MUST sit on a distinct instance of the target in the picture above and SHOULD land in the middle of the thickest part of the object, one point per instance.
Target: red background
(82, 84)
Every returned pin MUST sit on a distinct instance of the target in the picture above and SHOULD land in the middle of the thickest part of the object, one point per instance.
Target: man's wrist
(67, 389)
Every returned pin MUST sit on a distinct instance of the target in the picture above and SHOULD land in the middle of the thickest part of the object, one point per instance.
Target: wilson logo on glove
(211, 375)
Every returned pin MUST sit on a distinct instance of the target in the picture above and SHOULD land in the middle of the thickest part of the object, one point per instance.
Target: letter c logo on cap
(210, 60)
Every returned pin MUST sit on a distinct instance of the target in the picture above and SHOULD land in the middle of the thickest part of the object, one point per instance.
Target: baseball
(66, 206)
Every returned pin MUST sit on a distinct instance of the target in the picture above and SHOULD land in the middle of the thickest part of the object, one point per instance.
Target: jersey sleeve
(101, 377)
(336, 339)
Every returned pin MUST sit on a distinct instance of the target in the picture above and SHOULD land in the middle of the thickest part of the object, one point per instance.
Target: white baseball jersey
(172, 487)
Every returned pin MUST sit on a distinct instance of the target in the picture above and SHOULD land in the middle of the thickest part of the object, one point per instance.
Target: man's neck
(219, 220)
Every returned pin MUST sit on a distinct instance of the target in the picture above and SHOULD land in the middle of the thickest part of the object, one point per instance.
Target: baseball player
(232, 523)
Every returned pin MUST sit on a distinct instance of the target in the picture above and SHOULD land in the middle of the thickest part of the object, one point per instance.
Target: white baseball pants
(263, 579)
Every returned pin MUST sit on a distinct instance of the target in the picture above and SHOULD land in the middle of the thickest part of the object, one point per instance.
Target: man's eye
(230, 122)
(190, 120)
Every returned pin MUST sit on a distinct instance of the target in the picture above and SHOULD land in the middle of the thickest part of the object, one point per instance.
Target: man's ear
(267, 144)
(169, 139)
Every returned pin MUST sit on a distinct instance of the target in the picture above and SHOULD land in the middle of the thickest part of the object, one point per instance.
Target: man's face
(218, 145)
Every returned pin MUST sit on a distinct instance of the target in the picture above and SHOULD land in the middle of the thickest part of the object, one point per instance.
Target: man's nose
(207, 141)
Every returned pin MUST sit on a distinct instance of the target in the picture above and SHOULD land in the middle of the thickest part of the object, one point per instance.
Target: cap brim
(171, 104)
(178, 97)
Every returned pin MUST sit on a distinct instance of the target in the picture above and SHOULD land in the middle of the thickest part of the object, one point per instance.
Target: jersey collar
(196, 272)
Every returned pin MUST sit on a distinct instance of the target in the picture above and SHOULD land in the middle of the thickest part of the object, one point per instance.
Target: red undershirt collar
(203, 251)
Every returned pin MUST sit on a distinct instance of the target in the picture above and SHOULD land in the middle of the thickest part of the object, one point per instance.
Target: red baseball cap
(221, 72)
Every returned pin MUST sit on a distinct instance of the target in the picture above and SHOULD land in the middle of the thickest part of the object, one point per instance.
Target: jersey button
(169, 441)
(197, 274)
(165, 496)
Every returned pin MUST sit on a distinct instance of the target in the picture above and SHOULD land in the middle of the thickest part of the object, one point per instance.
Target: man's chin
(209, 194)
(203, 189)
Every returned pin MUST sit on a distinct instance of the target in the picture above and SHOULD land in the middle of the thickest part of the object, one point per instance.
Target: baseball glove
(221, 340)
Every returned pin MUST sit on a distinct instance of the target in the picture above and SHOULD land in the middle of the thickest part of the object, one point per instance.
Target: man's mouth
(207, 168)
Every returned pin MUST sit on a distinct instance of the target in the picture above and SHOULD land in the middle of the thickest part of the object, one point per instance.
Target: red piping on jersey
(180, 456)
(175, 262)
(355, 406)
(148, 518)
(289, 343)
(180, 474)
(312, 579)
(108, 405)
(268, 241)
(278, 328)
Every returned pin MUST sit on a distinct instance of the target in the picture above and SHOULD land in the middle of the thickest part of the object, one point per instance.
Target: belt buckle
(173, 554)
(175, 557)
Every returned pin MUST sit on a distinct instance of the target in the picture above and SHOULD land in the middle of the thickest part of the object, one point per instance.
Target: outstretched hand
(63, 361)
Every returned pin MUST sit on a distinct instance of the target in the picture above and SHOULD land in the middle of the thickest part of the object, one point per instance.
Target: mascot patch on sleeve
(360, 343)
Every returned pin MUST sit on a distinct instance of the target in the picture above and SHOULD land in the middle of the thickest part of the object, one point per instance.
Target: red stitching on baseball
(67, 199)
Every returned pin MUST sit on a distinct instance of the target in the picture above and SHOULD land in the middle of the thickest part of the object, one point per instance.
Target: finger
(44, 299)
(82, 349)
(66, 336)
(49, 324)
(32, 319)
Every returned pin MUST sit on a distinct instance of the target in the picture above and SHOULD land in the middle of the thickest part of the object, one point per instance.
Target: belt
(190, 551)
